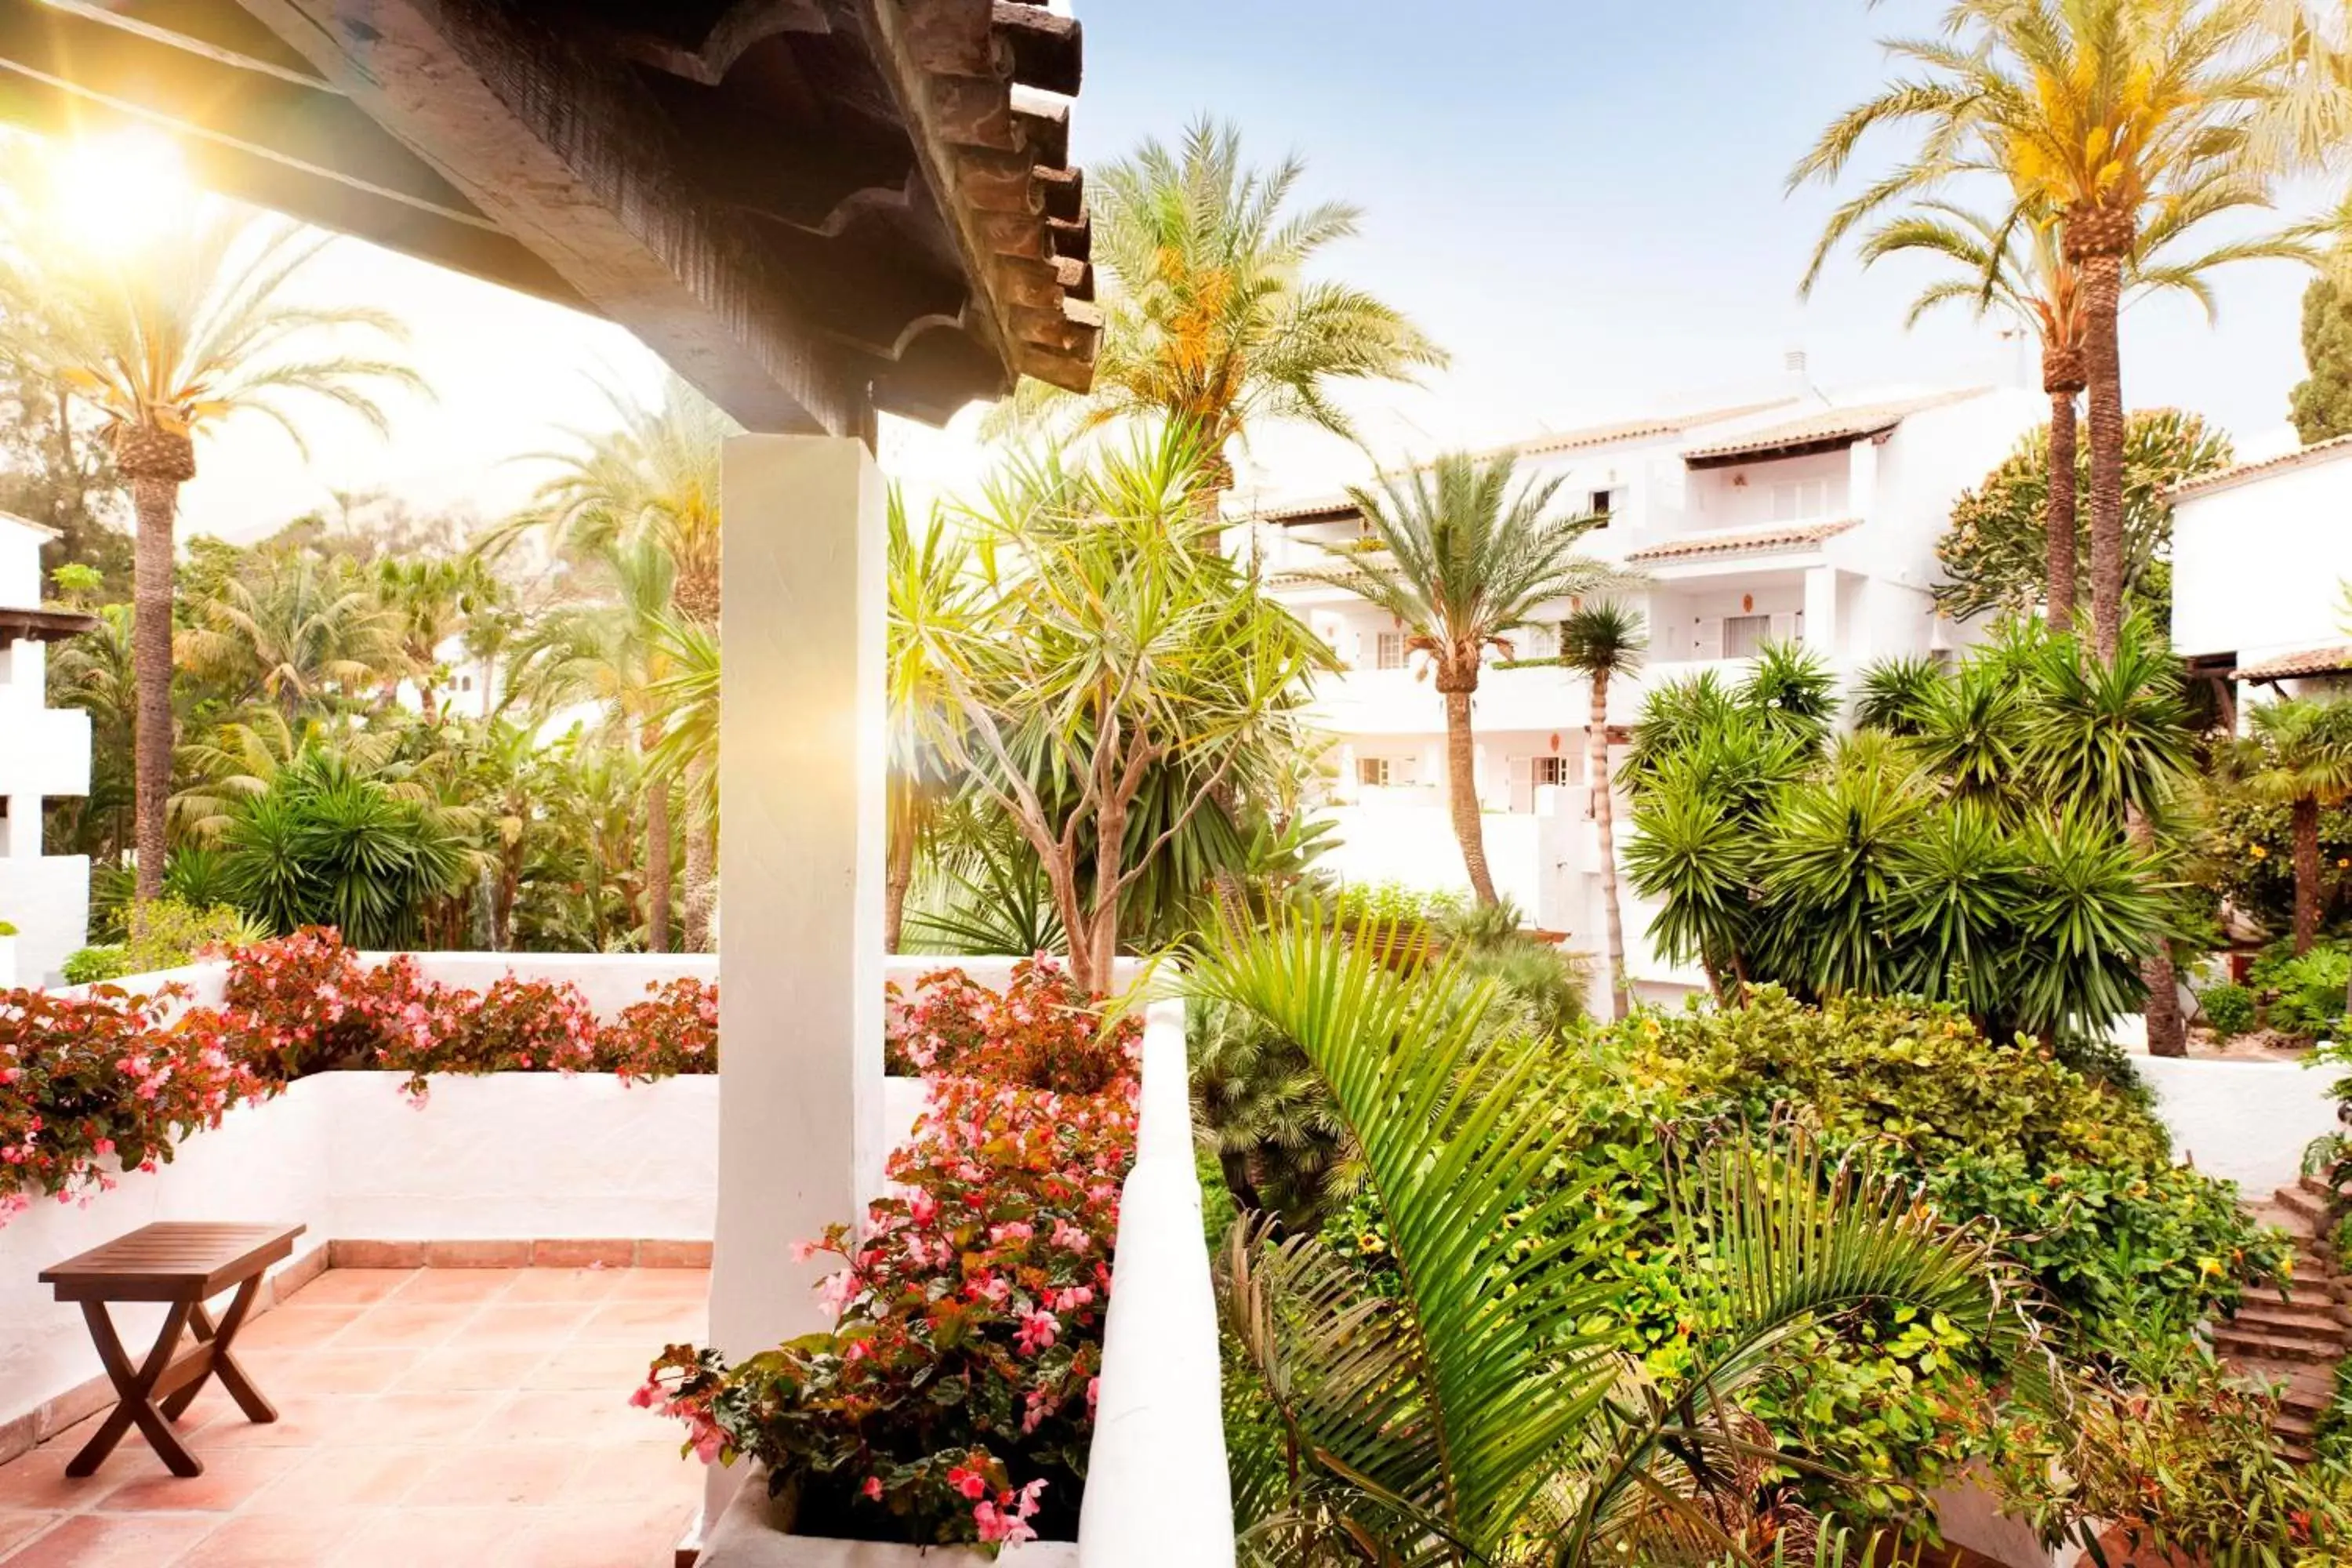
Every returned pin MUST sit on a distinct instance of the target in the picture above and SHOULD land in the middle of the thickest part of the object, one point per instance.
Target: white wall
(2259, 565)
(2246, 1123)
(1415, 845)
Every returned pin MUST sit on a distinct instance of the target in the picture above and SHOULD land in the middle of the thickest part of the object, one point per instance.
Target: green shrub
(2228, 1008)
(2306, 992)
(1394, 903)
(88, 965)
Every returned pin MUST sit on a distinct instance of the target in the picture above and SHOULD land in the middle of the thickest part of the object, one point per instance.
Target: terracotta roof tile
(1830, 425)
(2336, 446)
(2287, 665)
(1737, 541)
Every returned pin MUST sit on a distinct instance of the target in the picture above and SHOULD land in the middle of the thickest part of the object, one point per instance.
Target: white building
(2261, 557)
(43, 751)
(1796, 520)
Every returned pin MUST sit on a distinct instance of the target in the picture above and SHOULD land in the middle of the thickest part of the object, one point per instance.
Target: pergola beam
(566, 151)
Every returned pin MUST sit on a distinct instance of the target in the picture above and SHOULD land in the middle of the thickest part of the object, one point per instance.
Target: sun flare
(119, 189)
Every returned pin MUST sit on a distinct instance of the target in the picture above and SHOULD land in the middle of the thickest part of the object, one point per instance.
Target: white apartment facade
(44, 751)
(2262, 555)
(1797, 520)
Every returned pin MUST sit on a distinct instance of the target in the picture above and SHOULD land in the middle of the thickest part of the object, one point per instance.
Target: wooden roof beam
(207, 27)
(567, 150)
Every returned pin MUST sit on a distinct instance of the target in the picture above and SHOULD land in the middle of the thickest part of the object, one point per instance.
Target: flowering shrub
(953, 1399)
(108, 1075)
(1042, 1031)
(85, 1080)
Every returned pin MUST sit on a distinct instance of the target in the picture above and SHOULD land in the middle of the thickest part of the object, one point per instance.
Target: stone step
(2295, 1323)
(2249, 1345)
(2318, 1187)
(2310, 1209)
(2294, 1428)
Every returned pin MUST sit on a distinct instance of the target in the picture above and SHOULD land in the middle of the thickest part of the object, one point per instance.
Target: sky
(1582, 200)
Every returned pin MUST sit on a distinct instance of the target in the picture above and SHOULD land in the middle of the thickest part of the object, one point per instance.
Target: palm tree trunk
(2167, 1035)
(2104, 243)
(2058, 511)
(701, 860)
(2306, 812)
(657, 858)
(156, 503)
(1462, 782)
(1604, 832)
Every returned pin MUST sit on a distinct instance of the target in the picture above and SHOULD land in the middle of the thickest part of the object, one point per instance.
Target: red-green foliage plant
(953, 1399)
(93, 1085)
(674, 1030)
(1042, 1030)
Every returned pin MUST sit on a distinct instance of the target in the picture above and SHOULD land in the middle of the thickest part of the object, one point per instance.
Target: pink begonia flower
(707, 1445)
(647, 1395)
(803, 1250)
(969, 1482)
(872, 1489)
(1070, 1238)
(1038, 1331)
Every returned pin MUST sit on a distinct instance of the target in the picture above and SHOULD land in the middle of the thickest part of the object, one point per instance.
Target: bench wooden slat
(170, 1261)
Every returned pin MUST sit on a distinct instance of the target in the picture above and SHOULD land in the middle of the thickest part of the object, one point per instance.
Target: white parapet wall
(2245, 1122)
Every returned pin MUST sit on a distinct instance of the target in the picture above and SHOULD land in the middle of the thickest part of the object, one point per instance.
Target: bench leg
(222, 1365)
(136, 1385)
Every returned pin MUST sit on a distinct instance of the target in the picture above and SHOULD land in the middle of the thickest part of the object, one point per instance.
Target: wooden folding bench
(182, 1266)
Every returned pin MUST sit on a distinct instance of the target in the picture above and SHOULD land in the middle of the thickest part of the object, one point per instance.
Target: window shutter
(1785, 629)
(1707, 640)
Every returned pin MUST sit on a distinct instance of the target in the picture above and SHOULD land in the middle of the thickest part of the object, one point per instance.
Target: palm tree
(2107, 113)
(613, 653)
(431, 599)
(1601, 640)
(2299, 754)
(1209, 319)
(168, 342)
(651, 480)
(686, 699)
(1474, 1414)
(298, 633)
(930, 578)
(1467, 559)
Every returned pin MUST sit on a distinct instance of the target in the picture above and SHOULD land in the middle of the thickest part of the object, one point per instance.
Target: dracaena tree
(168, 341)
(1098, 653)
(1466, 554)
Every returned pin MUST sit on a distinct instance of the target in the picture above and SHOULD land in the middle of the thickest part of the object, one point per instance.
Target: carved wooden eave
(813, 208)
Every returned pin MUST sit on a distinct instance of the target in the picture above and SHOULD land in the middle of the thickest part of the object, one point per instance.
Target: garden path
(2294, 1344)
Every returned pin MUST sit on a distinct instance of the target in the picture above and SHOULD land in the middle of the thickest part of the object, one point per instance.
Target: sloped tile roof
(1830, 426)
(1743, 540)
(2318, 451)
(2288, 666)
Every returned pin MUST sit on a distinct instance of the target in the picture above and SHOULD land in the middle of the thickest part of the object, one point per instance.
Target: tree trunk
(701, 860)
(657, 860)
(898, 876)
(156, 501)
(2305, 816)
(1604, 831)
(2098, 240)
(2167, 1035)
(1462, 781)
(2058, 511)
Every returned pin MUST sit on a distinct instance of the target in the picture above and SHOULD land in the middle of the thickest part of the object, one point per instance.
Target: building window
(1796, 499)
(1600, 508)
(1372, 772)
(1553, 771)
(1744, 637)
(1537, 641)
(1388, 652)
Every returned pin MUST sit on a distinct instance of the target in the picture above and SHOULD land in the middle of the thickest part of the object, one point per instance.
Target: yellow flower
(2259, 852)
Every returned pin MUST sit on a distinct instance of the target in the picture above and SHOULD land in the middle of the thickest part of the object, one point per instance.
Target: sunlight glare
(120, 189)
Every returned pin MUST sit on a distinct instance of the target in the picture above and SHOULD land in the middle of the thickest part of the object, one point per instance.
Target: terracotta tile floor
(426, 1418)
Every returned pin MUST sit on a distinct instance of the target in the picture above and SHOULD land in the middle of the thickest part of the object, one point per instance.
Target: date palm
(1478, 1413)
(1465, 557)
(1599, 641)
(169, 341)
(301, 631)
(2299, 754)
(612, 652)
(2106, 114)
(1209, 319)
(430, 599)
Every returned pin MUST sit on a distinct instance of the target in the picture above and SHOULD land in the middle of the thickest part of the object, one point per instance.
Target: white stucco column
(800, 857)
(1862, 480)
(1822, 633)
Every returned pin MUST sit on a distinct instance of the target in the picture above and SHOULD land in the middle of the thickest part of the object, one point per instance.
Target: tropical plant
(928, 574)
(2298, 753)
(1476, 1414)
(1895, 694)
(1209, 319)
(612, 653)
(297, 630)
(167, 340)
(429, 600)
(1993, 553)
(1108, 677)
(686, 696)
(2109, 115)
(1468, 557)
(1601, 640)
